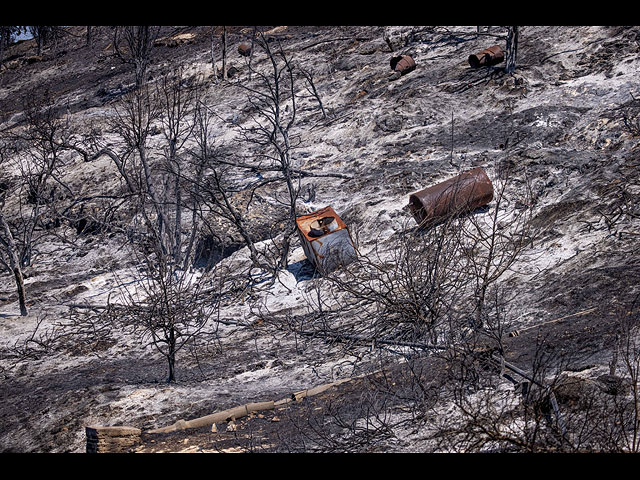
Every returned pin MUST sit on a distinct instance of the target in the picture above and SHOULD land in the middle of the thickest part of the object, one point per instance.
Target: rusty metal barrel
(461, 194)
(402, 64)
(244, 49)
(487, 57)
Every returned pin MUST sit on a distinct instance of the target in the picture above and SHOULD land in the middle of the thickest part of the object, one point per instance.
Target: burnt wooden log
(112, 439)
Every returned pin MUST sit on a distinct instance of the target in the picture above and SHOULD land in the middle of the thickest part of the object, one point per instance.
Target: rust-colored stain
(461, 194)
(487, 57)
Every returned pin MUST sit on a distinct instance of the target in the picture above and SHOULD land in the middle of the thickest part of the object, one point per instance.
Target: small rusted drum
(402, 64)
(487, 57)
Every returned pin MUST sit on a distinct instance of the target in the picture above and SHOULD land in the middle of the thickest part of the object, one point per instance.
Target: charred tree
(134, 45)
(511, 50)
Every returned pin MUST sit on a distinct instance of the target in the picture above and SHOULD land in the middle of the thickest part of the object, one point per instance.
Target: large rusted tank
(461, 194)
(487, 57)
(325, 239)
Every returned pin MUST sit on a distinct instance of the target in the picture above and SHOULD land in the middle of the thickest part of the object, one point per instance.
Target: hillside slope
(568, 117)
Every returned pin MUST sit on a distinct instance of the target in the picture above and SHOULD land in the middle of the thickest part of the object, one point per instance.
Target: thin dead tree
(134, 45)
(511, 52)
(43, 34)
(133, 121)
(406, 286)
(275, 106)
(31, 198)
(253, 42)
(168, 309)
(39, 157)
(212, 37)
(493, 244)
(168, 304)
(224, 52)
(7, 34)
(214, 188)
(311, 88)
(9, 259)
(177, 103)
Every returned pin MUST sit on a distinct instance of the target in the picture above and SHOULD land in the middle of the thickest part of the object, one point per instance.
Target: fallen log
(244, 410)
(112, 439)
(223, 416)
(316, 390)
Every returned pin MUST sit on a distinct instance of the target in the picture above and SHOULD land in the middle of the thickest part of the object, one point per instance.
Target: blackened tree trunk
(17, 273)
(171, 355)
(224, 53)
(139, 42)
(14, 264)
(512, 50)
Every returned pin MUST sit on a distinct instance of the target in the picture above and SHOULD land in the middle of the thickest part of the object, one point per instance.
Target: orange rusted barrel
(402, 64)
(488, 56)
(461, 194)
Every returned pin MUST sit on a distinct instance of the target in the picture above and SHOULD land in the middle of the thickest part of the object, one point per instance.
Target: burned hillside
(220, 250)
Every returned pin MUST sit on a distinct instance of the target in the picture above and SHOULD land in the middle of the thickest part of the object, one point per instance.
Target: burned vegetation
(319, 239)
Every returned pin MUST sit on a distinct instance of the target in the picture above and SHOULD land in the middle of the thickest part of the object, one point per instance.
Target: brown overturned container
(325, 239)
(487, 57)
(402, 64)
(461, 194)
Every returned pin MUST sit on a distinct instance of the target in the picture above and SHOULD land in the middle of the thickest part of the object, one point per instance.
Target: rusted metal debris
(325, 239)
(461, 194)
(402, 64)
(487, 57)
(244, 49)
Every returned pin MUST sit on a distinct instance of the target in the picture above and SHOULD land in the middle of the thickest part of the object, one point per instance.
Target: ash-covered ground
(566, 116)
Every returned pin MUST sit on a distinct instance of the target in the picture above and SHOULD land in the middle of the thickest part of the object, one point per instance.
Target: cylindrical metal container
(461, 194)
(403, 64)
(488, 56)
(244, 49)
